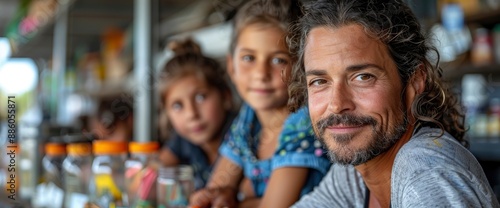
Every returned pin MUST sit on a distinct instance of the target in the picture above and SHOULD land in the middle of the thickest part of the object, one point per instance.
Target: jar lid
(143, 147)
(79, 149)
(104, 147)
(55, 149)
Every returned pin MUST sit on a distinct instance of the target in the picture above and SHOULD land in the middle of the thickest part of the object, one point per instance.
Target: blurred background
(62, 58)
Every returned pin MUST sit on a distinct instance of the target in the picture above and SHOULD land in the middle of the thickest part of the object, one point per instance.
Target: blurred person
(114, 119)
(394, 131)
(197, 102)
(273, 149)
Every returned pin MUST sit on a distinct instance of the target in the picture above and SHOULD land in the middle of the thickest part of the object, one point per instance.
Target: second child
(197, 101)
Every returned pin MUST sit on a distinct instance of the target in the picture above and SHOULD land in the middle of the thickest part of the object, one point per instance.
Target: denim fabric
(297, 147)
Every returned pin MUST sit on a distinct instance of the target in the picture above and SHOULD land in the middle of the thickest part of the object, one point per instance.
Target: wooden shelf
(456, 73)
(485, 17)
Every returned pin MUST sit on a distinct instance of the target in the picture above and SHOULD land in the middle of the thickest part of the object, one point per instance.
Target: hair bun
(182, 47)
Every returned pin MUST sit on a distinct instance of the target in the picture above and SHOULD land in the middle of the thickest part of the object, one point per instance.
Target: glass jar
(55, 153)
(76, 174)
(53, 182)
(174, 186)
(141, 173)
(107, 186)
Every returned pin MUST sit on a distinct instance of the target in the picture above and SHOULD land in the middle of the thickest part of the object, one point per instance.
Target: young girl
(197, 101)
(275, 150)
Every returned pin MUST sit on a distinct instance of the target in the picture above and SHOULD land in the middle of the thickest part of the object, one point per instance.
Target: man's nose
(340, 99)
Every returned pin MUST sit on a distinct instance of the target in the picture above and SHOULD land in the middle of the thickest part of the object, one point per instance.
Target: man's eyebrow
(315, 72)
(353, 68)
(363, 66)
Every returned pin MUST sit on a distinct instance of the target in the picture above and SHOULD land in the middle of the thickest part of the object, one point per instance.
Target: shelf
(485, 150)
(484, 17)
(456, 73)
(89, 19)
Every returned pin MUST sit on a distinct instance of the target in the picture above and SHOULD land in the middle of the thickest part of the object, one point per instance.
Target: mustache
(344, 119)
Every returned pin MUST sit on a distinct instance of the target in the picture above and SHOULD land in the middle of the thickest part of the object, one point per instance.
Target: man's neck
(377, 172)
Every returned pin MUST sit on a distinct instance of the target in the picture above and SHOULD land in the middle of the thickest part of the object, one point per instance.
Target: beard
(378, 143)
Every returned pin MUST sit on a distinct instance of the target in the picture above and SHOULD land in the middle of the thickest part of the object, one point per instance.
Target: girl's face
(196, 110)
(255, 67)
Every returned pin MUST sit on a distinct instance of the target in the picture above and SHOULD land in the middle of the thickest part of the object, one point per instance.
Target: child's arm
(284, 187)
(222, 188)
(168, 158)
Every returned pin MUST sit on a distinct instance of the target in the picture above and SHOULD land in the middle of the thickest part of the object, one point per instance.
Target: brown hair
(188, 60)
(280, 13)
(393, 23)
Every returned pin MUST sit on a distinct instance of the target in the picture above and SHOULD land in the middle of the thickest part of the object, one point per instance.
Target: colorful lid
(143, 147)
(105, 147)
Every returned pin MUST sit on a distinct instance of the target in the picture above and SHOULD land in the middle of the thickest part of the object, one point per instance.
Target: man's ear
(416, 85)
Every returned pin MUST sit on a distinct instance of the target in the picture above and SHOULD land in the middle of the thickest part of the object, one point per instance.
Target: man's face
(355, 93)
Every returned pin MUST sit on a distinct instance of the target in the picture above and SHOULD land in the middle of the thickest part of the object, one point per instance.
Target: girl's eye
(364, 77)
(279, 61)
(199, 98)
(317, 82)
(248, 58)
(176, 106)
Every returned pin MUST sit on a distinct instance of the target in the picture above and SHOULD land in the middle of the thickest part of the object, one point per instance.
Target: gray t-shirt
(427, 172)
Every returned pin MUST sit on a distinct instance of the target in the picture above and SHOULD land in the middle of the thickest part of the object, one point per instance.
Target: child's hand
(202, 198)
(225, 197)
(216, 197)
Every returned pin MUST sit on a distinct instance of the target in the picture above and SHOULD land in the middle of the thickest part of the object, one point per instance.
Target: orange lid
(79, 149)
(55, 149)
(143, 147)
(104, 147)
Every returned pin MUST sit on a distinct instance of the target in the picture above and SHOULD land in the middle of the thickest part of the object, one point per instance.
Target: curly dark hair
(394, 24)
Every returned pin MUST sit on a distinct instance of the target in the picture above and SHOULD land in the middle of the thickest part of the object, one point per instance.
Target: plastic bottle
(141, 172)
(107, 187)
(76, 174)
(482, 52)
(174, 185)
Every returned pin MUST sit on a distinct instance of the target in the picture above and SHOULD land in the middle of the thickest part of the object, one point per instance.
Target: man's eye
(248, 58)
(317, 82)
(199, 98)
(364, 77)
(279, 61)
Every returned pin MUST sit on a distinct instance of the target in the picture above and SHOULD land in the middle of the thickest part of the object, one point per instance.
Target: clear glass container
(107, 186)
(174, 186)
(141, 172)
(76, 174)
(55, 153)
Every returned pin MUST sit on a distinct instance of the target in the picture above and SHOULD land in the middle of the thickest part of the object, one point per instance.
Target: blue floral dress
(297, 147)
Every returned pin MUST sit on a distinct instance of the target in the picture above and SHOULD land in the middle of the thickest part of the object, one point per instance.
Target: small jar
(107, 187)
(174, 186)
(76, 174)
(141, 172)
(55, 153)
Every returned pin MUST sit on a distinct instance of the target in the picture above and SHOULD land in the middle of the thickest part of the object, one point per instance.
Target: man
(392, 130)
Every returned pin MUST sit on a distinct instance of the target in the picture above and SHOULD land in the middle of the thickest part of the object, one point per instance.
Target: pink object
(148, 179)
(318, 152)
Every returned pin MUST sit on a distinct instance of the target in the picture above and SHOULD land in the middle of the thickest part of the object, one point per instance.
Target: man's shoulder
(432, 147)
(429, 151)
